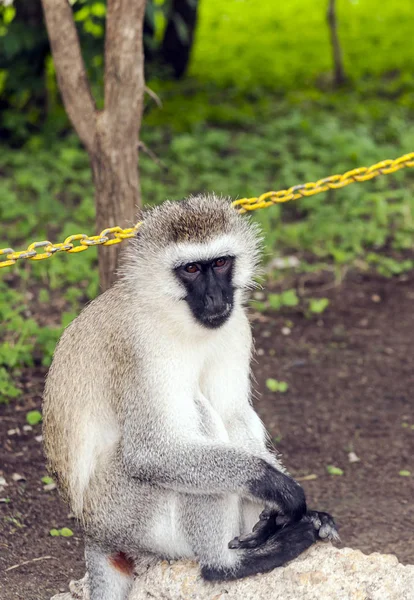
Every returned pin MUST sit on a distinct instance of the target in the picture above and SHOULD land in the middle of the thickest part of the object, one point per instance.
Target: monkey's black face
(209, 289)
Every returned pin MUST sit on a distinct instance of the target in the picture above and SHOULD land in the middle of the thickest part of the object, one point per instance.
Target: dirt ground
(350, 375)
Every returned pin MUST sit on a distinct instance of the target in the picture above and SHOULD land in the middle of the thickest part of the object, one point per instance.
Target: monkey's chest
(210, 423)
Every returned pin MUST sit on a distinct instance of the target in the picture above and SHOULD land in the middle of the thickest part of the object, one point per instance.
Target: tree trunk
(179, 35)
(29, 12)
(117, 192)
(110, 136)
(339, 71)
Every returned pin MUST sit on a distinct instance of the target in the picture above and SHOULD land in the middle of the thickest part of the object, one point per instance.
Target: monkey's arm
(214, 468)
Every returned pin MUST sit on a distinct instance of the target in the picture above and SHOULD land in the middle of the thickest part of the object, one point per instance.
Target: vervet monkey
(148, 424)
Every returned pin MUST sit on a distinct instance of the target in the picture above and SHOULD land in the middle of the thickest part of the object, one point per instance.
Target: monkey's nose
(215, 303)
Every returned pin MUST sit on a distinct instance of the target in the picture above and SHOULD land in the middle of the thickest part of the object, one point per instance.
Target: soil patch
(350, 379)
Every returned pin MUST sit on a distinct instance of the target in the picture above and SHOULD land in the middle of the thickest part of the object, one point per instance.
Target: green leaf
(33, 417)
(66, 532)
(82, 14)
(276, 386)
(286, 298)
(318, 305)
(275, 301)
(405, 473)
(98, 9)
(47, 480)
(54, 533)
(44, 295)
(334, 470)
(289, 298)
(258, 305)
(272, 385)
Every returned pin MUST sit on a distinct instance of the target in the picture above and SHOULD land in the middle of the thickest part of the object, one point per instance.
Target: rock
(321, 573)
(353, 458)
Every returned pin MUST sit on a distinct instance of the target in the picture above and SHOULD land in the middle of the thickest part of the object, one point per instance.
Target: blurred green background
(256, 109)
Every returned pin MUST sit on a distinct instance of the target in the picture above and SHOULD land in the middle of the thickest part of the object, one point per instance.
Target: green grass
(248, 43)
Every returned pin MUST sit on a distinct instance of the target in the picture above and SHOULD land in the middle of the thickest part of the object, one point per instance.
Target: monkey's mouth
(217, 319)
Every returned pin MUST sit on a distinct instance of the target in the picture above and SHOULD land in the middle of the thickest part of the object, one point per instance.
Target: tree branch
(124, 67)
(70, 69)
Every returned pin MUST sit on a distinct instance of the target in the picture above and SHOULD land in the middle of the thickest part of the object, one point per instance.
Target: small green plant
(258, 305)
(54, 532)
(276, 386)
(332, 470)
(34, 417)
(7, 389)
(64, 532)
(287, 298)
(317, 306)
(47, 480)
(389, 266)
(23, 341)
(405, 473)
(44, 296)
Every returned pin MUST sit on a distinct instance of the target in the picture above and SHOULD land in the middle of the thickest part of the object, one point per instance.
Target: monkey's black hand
(324, 524)
(261, 532)
(279, 491)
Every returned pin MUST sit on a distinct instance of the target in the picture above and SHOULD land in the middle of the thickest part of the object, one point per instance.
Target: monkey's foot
(324, 524)
(78, 590)
(271, 522)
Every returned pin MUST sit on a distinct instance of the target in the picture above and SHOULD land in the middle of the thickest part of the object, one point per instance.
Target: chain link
(115, 235)
(107, 237)
(334, 182)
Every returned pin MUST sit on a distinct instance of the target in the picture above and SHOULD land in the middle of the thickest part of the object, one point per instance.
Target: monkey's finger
(262, 526)
(261, 532)
(250, 540)
(234, 544)
(268, 513)
(246, 541)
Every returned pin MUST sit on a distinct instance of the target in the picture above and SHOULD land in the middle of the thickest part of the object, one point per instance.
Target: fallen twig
(26, 562)
(310, 477)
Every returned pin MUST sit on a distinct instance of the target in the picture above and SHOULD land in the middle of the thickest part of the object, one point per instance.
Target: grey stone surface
(321, 573)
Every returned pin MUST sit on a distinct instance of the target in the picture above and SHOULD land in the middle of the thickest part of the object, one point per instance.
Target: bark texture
(110, 136)
(339, 71)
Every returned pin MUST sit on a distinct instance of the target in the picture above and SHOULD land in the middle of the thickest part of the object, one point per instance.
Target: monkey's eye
(220, 262)
(191, 268)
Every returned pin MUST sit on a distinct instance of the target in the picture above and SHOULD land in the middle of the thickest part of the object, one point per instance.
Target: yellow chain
(107, 237)
(333, 182)
(115, 235)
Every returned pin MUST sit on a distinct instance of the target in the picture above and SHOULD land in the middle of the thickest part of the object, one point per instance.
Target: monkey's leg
(110, 575)
(206, 522)
(285, 545)
(209, 520)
